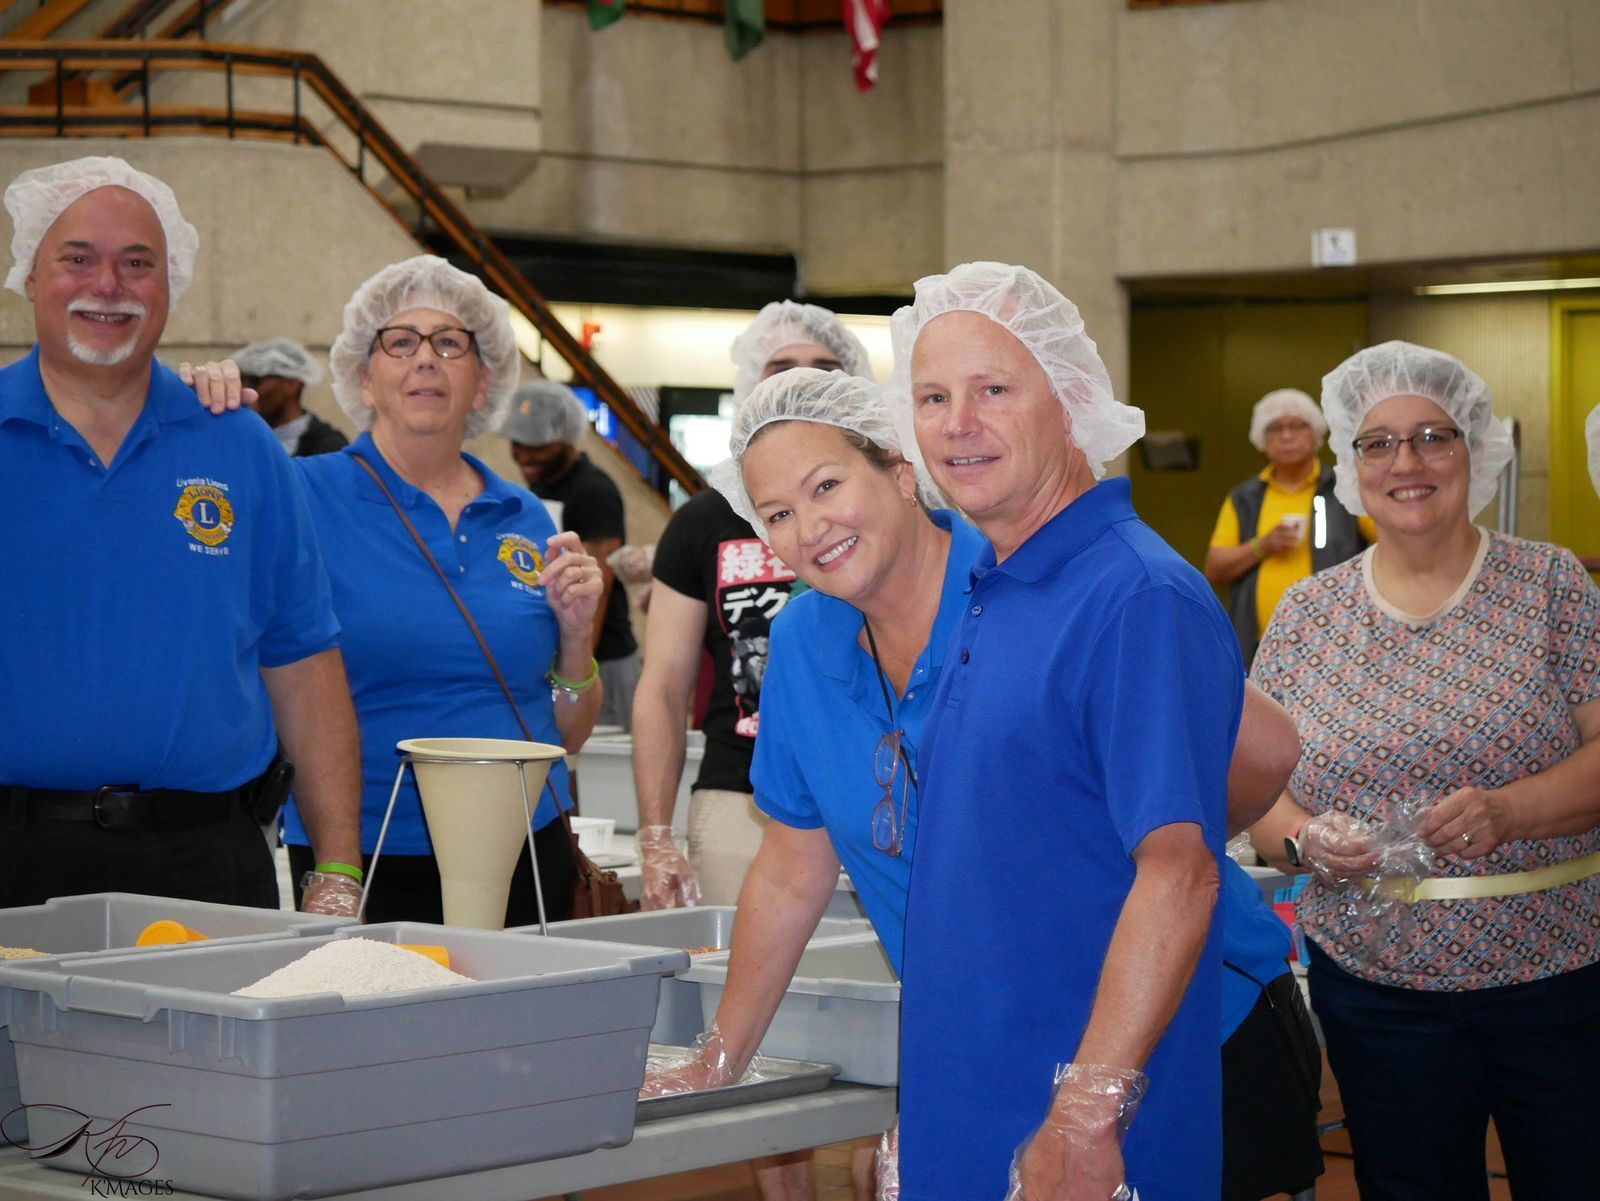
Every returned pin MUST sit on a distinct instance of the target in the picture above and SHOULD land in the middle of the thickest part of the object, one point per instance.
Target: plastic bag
(888, 1164)
(1089, 1099)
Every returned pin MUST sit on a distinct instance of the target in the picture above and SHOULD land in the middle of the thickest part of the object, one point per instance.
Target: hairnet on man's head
(545, 411)
(789, 323)
(1371, 376)
(1285, 402)
(1591, 429)
(426, 282)
(847, 402)
(36, 198)
(1049, 328)
(279, 357)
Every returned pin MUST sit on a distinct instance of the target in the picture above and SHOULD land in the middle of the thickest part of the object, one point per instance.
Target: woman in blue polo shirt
(425, 361)
(819, 472)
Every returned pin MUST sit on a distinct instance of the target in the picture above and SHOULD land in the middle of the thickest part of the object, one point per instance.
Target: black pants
(1269, 1113)
(225, 860)
(1421, 1073)
(406, 887)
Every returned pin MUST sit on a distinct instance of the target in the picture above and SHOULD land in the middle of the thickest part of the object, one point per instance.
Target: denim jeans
(1421, 1073)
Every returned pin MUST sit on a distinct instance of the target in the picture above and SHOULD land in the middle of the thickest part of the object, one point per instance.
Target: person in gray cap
(280, 371)
(544, 426)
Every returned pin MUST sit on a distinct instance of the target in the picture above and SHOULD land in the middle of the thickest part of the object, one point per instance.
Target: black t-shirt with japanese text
(710, 554)
(591, 507)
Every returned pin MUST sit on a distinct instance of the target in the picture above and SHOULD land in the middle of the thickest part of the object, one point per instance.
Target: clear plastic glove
(217, 386)
(1076, 1154)
(330, 894)
(669, 881)
(632, 564)
(1385, 914)
(888, 1164)
(705, 1065)
(1338, 847)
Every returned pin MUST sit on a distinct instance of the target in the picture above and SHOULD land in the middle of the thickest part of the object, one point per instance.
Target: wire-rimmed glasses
(890, 766)
(1429, 443)
(401, 341)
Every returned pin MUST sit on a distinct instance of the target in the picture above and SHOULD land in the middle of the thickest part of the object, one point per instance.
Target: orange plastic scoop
(440, 955)
(162, 933)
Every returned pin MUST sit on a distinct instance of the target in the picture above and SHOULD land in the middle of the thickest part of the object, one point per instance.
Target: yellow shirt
(1284, 568)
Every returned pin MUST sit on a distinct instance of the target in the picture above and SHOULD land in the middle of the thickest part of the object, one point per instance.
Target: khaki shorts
(725, 830)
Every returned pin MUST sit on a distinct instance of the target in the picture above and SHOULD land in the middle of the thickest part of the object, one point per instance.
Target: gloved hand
(330, 894)
(1338, 847)
(708, 1066)
(888, 1164)
(669, 881)
(1076, 1154)
(632, 564)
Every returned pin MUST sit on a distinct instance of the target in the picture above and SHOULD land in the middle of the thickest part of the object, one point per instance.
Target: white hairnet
(36, 198)
(279, 357)
(847, 402)
(426, 282)
(1048, 326)
(1591, 429)
(789, 323)
(1284, 402)
(545, 411)
(1371, 376)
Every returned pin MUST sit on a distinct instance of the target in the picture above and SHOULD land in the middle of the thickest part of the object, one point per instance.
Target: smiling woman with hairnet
(426, 360)
(1453, 672)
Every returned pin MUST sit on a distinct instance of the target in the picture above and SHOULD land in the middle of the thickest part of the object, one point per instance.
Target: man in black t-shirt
(544, 425)
(280, 371)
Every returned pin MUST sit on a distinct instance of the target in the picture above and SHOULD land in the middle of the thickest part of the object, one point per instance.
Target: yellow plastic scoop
(164, 932)
(440, 955)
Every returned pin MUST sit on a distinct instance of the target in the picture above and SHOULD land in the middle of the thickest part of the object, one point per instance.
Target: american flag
(863, 19)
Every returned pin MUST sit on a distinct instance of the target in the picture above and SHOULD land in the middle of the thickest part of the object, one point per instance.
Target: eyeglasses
(1284, 429)
(890, 765)
(401, 341)
(1429, 444)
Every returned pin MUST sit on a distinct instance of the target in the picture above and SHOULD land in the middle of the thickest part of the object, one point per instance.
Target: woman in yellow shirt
(1283, 524)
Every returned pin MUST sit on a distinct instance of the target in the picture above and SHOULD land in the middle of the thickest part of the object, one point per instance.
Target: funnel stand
(533, 857)
(372, 864)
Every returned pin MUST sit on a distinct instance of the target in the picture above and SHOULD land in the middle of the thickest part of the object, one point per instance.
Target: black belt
(119, 806)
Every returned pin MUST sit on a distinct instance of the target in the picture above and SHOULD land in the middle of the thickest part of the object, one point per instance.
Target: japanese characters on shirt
(752, 587)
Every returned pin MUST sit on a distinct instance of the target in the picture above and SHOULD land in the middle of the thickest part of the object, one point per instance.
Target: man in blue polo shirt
(1074, 766)
(167, 615)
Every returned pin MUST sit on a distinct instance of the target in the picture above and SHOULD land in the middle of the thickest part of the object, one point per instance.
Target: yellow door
(1574, 392)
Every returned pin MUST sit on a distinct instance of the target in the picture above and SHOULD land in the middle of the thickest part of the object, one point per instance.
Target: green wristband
(574, 685)
(342, 869)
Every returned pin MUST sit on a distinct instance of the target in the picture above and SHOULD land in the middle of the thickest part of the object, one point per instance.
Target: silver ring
(1467, 839)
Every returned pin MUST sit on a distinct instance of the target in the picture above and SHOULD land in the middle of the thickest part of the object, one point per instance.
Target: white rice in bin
(353, 967)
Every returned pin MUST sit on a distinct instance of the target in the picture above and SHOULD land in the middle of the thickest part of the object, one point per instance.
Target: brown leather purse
(596, 891)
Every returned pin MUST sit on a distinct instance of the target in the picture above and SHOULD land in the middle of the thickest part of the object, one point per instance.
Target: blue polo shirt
(820, 684)
(415, 669)
(140, 599)
(1091, 694)
(1254, 940)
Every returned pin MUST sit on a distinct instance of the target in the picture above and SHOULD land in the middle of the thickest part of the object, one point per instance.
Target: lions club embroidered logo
(522, 558)
(206, 515)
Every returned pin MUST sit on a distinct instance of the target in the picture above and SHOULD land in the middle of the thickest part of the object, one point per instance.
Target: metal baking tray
(784, 1078)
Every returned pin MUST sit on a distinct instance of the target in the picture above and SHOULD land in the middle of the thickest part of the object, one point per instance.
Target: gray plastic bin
(268, 1099)
(105, 921)
(843, 1007)
(678, 1018)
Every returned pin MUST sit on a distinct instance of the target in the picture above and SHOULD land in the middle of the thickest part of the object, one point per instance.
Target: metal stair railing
(374, 150)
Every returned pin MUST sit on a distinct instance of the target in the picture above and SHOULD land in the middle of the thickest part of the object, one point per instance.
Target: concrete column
(1030, 169)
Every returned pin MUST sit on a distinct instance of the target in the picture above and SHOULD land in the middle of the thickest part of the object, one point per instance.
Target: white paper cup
(1298, 522)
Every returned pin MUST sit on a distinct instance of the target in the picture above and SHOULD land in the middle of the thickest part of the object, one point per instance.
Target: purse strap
(466, 615)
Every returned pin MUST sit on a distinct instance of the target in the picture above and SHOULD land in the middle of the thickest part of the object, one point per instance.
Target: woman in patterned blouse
(1461, 667)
